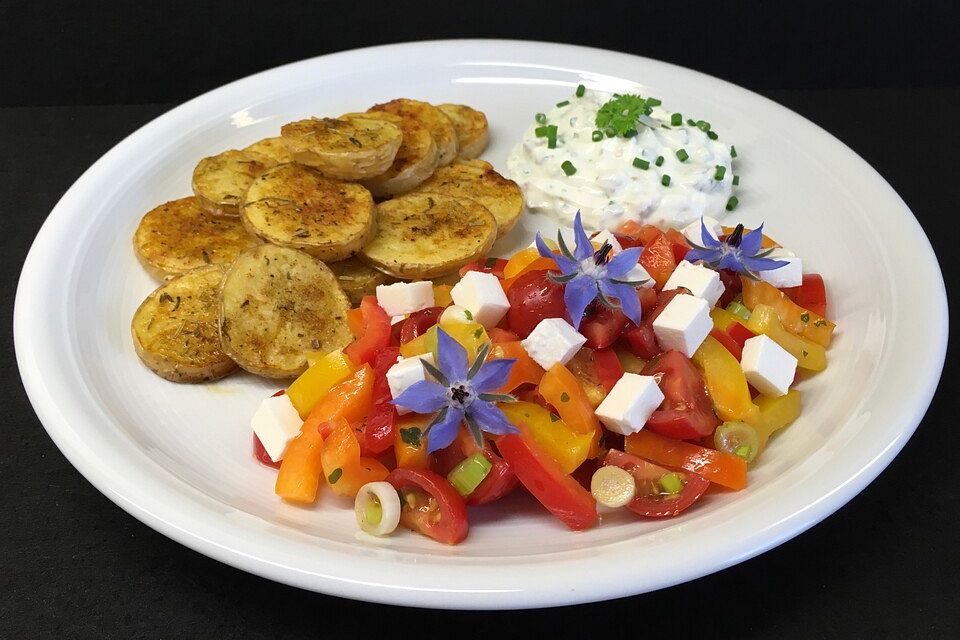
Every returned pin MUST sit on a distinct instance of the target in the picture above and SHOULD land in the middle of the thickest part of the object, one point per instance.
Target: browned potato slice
(276, 304)
(358, 279)
(425, 235)
(473, 132)
(344, 149)
(179, 236)
(437, 123)
(175, 328)
(477, 180)
(414, 163)
(220, 181)
(294, 206)
(272, 148)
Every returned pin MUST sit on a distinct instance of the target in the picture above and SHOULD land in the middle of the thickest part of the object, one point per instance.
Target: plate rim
(57, 424)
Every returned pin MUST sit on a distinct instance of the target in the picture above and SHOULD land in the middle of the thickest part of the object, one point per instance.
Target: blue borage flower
(739, 252)
(589, 275)
(460, 393)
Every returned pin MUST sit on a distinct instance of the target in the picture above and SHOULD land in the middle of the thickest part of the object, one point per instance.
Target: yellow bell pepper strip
(343, 468)
(776, 413)
(350, 400)
(524, 371)
(716, 466)
(441, 295)
(549, 434)
(314, 383)
(722, 319)
(725, 382)
(564, 392)
(793, 317)
(471, 335)
(810, 355)
(300, 471)
(410, 443)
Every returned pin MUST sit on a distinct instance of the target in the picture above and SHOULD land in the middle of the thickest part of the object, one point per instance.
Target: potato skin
(358, 279)
(426, 235)
(271, 148)
(345, 149)
(276, 304)
(415, 160)
(180, 235)
(175, 330)
(220, 181)
(292, 205)
(477, 180)
(436, 121)
(473, 131)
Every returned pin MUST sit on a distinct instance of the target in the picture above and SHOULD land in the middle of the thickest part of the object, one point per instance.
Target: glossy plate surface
(179, 457)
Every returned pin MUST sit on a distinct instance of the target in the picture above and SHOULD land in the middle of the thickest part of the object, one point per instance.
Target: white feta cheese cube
(481, 294)
(693, 232)
(607, 236)
(629, 404)
(702, 281)
(552, 341)
(402, 298)
(683, 324)
(768, 367)
(455, 314)
(405, 373)
(276, 422)
(789, 275)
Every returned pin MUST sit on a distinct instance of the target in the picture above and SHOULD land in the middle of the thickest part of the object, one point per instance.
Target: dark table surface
(72, 564)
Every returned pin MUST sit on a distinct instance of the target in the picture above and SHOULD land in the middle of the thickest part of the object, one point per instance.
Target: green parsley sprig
(621, 114)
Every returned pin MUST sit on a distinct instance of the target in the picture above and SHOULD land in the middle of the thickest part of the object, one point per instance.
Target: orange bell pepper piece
(524, 371)
(355, 322)
(716, 466)
(793, 317)
(561, 389)
(409, 447)
(299, 476)
(343, 467)
(350, 400)
(657, 257)
(810, 355)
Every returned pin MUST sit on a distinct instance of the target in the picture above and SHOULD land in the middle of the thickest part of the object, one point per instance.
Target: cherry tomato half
(486, 265)
(534, 297)
(418, 323)
(430, 505)
(378, 429)
(686, 412)
(641, 339)
(652, 500)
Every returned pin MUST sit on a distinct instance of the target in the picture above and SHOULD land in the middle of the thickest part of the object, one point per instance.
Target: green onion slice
(737, 438)
(467, 476)
(377, 508)
(739, 310)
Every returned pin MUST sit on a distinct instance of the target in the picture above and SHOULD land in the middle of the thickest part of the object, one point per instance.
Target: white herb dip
(607, 188)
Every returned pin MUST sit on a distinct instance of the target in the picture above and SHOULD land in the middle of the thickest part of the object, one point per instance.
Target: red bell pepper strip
(376, 333)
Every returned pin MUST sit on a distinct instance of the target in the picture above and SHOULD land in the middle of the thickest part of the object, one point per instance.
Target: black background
(77, 78)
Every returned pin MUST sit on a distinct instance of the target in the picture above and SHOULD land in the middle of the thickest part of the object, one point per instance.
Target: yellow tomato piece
(409, 454)
(441, 295)
(776, 413)
(793, 317)
(550, 434)
(471, 335)
(630, 362)
(314, 383)
(725, 382)
(722, 319)
(520, 261)
(768, 242)
(564, 392)
(810, 355)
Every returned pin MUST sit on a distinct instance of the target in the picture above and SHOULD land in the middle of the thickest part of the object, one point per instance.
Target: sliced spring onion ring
(613, 487)
(737, 438)
(737, 309)
(467, 476)
(377, 508)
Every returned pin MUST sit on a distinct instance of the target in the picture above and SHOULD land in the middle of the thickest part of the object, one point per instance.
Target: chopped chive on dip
(665, 181)
(736, 181)
(597, 136)
(658, 161)
(569, 169)
(541, 118)
(720, 172)
(563, 103)
(733, 151)
(640, 163)
(712, 134)
(691, 122)
(682, 155)
(732, 203)
(676, 119)
(580, 90)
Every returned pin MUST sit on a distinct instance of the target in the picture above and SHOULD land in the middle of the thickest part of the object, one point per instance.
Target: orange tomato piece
(524, 371)
(409, 454)
(716, 466)
(657, 257)
(561, 389)
(356, 474)
(350, 400)
(793, 317)
(343, 468)
(299, 476)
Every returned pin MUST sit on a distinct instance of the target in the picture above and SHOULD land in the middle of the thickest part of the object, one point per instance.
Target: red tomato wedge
(431, 505)
(561, 494)
(378, 429)
(811, 295)
(641, 339)
(608, 367)
(532, 298)
(728, 342)
(603, 327)
(651, 500)
(686, 412)
(376, 333)
(418, 323)
(487, 265)
(658, 258)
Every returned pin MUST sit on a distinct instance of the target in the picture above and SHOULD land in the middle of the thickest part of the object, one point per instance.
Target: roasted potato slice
(351, 149)
(272, 148)
(476, 179)
(276, 304)
(175, 329)
(473, 133)
(220, 181)
(179, 236)
(358, 279)
(425, 235)
(415, 161)
(293, 205)
(437, 123)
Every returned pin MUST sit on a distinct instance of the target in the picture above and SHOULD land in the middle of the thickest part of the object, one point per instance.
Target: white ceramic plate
(178, 457)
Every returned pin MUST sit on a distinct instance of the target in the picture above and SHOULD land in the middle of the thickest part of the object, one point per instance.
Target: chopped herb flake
(564, 397)
(541, 118)
(732, 203)
(658, 161)
(640, 163)
(676, 119)
(805, 317)
(580, 90)
(682, 155)
(568, 168)
(333, 477)
(665, 180)
(563, 103)
(719, 173)
(411, 436)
